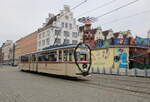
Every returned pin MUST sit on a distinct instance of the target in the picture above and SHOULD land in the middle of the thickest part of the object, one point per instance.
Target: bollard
(110, 71)
(126, 72)
(135, 72)
(103, 70)
(98, 71)
(117, 71)
(145, 71)
(92, 70)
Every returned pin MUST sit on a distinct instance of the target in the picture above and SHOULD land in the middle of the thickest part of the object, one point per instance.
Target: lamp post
(148, 36)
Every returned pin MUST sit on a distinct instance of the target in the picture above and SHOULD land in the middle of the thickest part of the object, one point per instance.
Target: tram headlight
(84, 66)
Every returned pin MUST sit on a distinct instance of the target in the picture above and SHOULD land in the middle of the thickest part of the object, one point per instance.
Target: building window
(43, 34)
(66, 41)
(47, 41)
(62, 24)
(39, 36)
(39, 43)
(43, 42)
(57, 32)
(74, 41)
(66, 17)
(66, 33)
(70, 26)
(58, 41)
(66, 25)
(74, 34)
(48, 33)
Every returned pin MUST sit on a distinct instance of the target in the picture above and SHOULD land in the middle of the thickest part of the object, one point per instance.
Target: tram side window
(65, 55)
(60, 56)
(53, 56)
(70, 55)
(33, 58)
(24, 59)
(43, 58)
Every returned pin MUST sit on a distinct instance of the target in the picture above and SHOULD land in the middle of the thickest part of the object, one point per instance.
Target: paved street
(17, 86)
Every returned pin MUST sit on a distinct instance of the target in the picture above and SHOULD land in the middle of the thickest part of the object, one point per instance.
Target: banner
(122, 41)
(141, 41)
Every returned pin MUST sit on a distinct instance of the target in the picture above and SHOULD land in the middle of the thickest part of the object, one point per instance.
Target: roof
(50, 48)
(50, 22)
(122, 46)
(92, 31)
(81, 28)
(106, 32)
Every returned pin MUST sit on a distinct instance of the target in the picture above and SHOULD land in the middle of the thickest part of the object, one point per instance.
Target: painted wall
(110, 58)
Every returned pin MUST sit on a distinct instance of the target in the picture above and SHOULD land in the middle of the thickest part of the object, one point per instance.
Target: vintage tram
(69, 60)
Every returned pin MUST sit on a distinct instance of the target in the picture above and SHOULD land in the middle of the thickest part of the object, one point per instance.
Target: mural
(121, 41)
(102, 58)
(107, 42)
(141, 41)
(122, 57)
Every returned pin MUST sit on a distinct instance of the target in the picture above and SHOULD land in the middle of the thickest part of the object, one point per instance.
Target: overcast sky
(22, 17)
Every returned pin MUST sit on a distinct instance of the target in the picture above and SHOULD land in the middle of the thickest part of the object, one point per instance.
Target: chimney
(66, 8)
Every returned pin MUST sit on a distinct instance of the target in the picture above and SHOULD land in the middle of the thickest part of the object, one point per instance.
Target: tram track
(127, 82)
(111, 85)
(128, 86)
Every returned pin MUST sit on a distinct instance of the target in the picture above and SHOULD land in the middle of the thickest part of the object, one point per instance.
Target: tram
(69, 60)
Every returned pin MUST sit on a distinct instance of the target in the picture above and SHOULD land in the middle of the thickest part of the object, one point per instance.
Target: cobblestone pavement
(17, 86)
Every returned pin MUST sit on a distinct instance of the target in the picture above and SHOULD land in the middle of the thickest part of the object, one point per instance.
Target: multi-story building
(58, 30)
(8, 52)
(25, 45)
(123, 34)
(87, 34)
(1, 55)
(107, 34)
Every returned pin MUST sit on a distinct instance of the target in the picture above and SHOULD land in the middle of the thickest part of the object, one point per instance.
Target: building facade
(8, 52)
(1, 55)
(122, 34)
(25, 45)
(58, 30)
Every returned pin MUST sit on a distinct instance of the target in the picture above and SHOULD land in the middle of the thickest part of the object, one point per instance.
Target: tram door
(68, 60)
(33, 63)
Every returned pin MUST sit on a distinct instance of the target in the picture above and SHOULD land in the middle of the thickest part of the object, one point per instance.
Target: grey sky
(21, 17)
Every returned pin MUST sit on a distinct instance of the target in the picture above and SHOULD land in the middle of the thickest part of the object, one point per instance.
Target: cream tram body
(58, 61)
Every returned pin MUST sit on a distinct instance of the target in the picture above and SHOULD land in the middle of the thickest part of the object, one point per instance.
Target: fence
(125, 72)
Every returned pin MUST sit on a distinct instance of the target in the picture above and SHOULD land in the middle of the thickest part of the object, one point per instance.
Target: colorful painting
(107, 42)
(102, 58)
(141, 41)
(121, 41)
(99, 43)
(121, 58)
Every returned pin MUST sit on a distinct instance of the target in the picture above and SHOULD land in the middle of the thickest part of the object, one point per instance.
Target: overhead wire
(101, 6)
(114, 10)
(127, 17)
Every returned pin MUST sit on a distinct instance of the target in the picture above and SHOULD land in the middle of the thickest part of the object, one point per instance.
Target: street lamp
(148, 37)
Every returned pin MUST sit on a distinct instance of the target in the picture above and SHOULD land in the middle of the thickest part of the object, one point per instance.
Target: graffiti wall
(110, 58)
(121, 58)
(141, 41)
(102, 58)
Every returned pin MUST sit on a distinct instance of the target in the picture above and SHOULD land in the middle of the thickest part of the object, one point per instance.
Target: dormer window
(66, 17)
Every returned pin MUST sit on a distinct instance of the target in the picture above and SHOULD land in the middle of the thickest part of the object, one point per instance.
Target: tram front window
(83, 57)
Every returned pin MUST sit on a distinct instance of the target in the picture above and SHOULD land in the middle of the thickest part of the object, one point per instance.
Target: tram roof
(53, 48)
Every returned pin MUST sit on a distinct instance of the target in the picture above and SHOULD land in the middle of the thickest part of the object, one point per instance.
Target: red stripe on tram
(56, 62)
